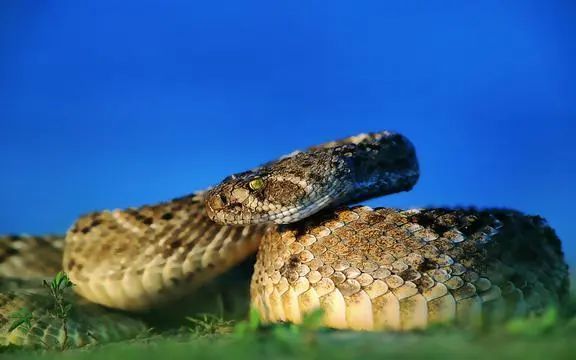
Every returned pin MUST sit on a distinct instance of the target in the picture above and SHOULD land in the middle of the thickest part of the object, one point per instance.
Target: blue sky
(107, 104)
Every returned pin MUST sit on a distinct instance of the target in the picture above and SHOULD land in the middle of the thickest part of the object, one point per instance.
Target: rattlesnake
(366, 268)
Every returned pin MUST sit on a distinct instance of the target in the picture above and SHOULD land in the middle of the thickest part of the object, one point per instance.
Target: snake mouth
(220, 210)
(282, 217)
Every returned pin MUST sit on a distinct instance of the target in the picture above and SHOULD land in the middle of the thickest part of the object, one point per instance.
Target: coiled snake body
(365, 268)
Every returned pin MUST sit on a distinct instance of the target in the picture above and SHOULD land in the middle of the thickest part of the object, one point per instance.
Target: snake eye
(256, 184)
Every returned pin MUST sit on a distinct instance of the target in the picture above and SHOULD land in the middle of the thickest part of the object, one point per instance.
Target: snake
(316, 248)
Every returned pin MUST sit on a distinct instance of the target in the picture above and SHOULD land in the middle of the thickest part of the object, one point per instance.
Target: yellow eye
(256, 184)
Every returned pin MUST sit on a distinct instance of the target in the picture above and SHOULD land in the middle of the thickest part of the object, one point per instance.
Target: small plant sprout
(60, 310)
(57, 288)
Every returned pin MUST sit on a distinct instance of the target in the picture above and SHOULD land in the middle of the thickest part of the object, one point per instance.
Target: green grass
(550, 336)
(290, 343)
(209, 337)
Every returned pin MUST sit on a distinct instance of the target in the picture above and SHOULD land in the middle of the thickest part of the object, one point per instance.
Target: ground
(333, 345)
(550, 336)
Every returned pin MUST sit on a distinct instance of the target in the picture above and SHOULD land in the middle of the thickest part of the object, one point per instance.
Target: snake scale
(367, 269)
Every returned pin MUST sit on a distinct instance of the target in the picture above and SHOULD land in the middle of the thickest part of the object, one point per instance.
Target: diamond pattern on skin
(391, 269)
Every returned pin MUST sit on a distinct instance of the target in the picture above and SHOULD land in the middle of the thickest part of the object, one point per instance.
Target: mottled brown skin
(401, 270)
(367, 269)
(133, 259)
(138, 258)
(19, 256)
(298, 185)
(87, 323)
(26, 261)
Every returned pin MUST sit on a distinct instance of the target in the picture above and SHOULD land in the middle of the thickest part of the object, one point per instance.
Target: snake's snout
(215, 203)
(225, 207)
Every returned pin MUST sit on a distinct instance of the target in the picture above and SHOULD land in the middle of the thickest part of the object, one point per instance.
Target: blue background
(112, 104)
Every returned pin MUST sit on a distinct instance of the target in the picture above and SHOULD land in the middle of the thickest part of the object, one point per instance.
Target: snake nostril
(217, 202)
(224, 199)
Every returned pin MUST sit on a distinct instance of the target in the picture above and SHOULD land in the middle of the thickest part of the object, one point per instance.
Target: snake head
(302, 183)
(282, 192)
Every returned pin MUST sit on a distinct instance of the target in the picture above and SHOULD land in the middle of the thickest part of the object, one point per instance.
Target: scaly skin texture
(401, 270)
(368, 269)
(134, 259)
(19, 256)
(25, 262)
(87, 323)
(302, 183)
(137, 259)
